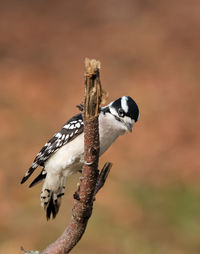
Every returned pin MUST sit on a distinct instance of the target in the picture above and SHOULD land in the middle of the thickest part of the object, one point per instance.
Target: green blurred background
(149, 50)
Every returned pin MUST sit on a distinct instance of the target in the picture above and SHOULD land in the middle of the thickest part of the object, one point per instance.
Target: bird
(63, 154)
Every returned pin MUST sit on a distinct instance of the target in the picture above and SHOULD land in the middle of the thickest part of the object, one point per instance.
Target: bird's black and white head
(125, 111)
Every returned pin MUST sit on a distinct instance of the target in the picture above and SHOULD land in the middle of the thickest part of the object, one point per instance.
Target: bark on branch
(91, 181)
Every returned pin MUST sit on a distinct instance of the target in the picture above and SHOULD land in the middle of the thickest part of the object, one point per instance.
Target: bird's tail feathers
(39, 178)
(29, 172)
(51, 197)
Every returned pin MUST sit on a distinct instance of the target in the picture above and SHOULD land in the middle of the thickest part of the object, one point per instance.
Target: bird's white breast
(69, 158)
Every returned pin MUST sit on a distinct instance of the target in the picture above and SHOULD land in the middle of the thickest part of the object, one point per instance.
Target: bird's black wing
(67, 133)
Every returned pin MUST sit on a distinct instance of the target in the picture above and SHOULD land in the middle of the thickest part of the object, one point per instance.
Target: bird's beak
(129, 126)
(128, 122)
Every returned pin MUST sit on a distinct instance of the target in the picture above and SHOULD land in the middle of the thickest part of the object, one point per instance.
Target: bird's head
(125, 110)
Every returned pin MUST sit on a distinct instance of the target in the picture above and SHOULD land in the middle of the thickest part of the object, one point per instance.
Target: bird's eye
(121, 112)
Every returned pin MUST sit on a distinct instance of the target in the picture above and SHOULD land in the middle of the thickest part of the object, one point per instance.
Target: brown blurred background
(149, 50)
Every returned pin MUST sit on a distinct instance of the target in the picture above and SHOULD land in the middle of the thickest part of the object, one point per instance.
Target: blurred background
(149, 50)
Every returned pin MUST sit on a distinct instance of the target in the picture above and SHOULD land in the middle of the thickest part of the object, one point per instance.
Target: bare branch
(91, 182)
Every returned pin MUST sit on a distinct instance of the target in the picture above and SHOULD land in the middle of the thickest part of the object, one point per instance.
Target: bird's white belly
(68, 159)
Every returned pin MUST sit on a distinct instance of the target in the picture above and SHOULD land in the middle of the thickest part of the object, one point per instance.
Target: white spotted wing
(68, 132)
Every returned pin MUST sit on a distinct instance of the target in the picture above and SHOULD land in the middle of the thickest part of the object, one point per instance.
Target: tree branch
(91, 181)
